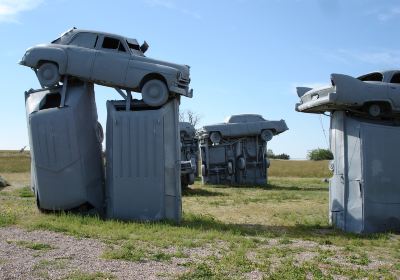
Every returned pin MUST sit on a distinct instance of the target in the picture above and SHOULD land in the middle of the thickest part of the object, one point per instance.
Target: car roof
(244, 118)
(130, 40)
(387, 74)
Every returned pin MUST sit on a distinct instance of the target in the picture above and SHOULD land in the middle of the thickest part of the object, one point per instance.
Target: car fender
(138, 70)
(37, 54)
(353, 91)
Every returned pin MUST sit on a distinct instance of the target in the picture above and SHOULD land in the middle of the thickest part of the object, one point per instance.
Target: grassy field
(278, 231)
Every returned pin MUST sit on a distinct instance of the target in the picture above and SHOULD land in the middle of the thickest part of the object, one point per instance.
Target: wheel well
(41, 62)
(152, 76)
(386, 105)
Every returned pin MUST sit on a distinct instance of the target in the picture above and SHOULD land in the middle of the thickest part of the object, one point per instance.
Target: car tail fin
(302, 90)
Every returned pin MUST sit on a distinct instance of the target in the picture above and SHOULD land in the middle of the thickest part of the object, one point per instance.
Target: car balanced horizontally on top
(109, 60)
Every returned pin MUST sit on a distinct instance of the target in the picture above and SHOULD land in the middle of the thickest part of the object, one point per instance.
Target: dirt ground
(68, 255)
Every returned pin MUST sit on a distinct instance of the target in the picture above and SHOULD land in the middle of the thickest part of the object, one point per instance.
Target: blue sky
(245, 56)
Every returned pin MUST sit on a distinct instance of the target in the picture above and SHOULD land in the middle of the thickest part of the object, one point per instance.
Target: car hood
(181, 67)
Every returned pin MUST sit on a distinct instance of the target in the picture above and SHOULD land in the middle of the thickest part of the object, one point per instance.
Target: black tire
(48, 74)
(155, 93)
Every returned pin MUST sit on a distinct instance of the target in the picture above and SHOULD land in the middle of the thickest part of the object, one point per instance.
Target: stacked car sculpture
(364, 193)
(235, 152)
(150, 156)
(142, 181)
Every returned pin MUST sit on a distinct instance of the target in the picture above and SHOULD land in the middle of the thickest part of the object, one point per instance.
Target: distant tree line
(320, 154)
(271, 155)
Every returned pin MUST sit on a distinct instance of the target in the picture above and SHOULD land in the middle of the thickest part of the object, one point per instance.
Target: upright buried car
(376, 94)
(110, 60)
(235, 152)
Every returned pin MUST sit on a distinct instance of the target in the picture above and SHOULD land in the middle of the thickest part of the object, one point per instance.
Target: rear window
(372, 77)
(396, 78)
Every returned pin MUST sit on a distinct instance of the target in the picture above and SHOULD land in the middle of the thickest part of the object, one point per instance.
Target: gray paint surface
(189, 153)
(364, 192)
(235, 152)
(67, 169)
(106, 59)
(143, 162)
(244, 125)
(357, 94)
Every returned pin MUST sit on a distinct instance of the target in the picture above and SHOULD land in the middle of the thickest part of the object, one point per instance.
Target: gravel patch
(67, 255)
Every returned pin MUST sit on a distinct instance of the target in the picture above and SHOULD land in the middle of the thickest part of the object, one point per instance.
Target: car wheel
(155, 93)
(48, 74)
(215, 137)
(99, 133)
(266, 135)
(374, 110)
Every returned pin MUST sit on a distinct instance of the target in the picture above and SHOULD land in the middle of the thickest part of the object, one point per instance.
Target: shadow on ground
(201, 192)
(272, 187)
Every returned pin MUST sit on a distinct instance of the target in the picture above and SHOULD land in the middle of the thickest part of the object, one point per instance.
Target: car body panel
(124, 68)
(244, 125)
(347, 93)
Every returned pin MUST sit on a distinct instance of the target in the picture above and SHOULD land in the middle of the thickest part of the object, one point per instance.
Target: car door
(81, 52)
(394, 90)
(111, 62)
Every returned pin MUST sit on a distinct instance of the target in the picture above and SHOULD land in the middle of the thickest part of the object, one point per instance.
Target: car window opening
(85, 40)
(133, 46)
(121, 47)
(372, 77)
(395, 79)
(52, 100)
(110, 43)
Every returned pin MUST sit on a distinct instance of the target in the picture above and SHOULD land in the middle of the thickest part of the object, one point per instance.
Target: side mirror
(144, 47)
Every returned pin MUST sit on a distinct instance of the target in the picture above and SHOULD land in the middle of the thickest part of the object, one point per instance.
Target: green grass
(279, 231)
(32, 245)
(25, 192)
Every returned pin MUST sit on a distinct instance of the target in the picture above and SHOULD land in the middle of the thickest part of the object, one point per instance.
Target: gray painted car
(189, 153)
(234, 152)
(110, 60)
(243, 125)
(376, 94)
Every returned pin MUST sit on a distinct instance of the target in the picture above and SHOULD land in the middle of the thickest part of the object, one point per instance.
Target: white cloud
(11, 9)
(382, 57)
(385, 14)
(172, 5)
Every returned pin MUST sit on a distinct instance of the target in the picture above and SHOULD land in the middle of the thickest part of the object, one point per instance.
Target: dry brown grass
(299, 168)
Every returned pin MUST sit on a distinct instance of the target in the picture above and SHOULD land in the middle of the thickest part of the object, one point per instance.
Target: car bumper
(186, 167)
(182, 91)
(320, 103)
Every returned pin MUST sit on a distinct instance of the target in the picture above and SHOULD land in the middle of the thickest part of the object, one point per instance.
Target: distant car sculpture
(376, 94)
(110, 60)
(235, 152)
(189, 153)
(245, 124)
